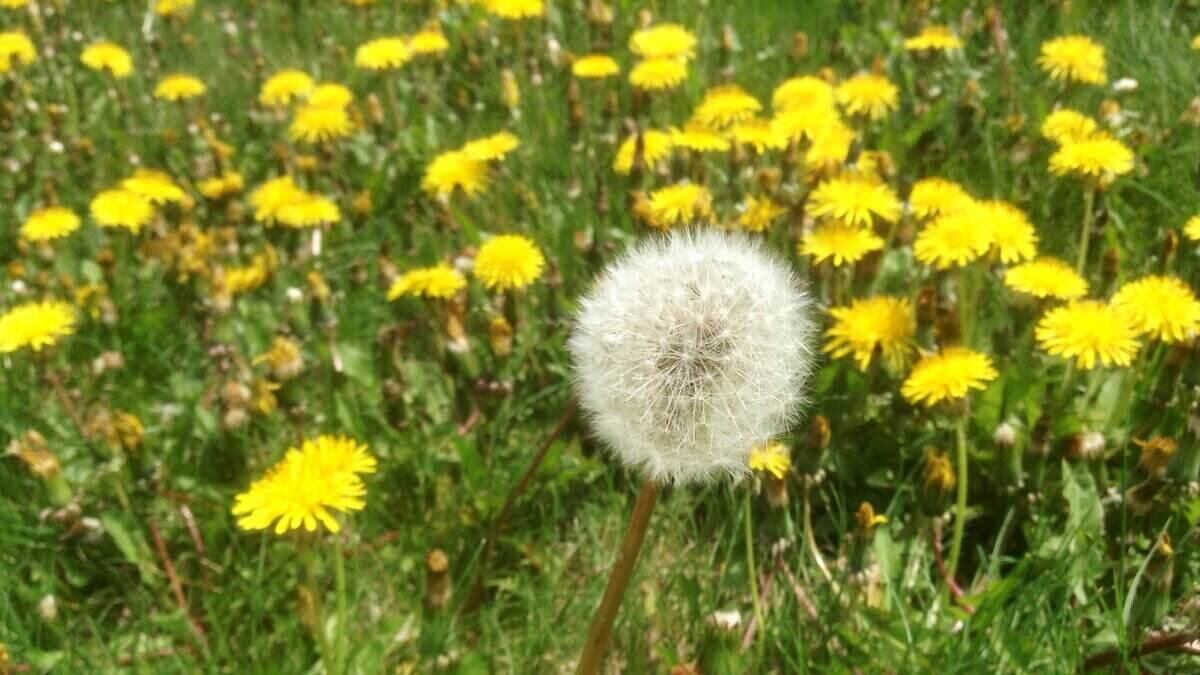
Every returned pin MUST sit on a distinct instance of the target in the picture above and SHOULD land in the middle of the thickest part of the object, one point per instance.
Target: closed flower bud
(1156, 453)
(437, 579)
(939, 472)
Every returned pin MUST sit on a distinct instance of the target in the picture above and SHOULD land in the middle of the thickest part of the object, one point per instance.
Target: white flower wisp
(692, 349)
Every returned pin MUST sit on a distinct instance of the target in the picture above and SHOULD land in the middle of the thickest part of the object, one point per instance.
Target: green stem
(753, 568)
(339, 571)
(314, 588)
(960, 505)
(1089, 200)
(964, 306)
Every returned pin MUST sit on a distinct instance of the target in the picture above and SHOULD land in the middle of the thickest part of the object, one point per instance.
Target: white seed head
(690, 350)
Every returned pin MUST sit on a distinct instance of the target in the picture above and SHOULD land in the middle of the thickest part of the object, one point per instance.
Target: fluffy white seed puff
(692, 349)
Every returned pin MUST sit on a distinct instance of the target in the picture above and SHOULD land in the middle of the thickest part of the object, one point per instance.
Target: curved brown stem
(1153, 644)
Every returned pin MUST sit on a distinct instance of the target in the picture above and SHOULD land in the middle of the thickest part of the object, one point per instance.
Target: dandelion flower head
(35, 325)
(508, 262)
(948, 375)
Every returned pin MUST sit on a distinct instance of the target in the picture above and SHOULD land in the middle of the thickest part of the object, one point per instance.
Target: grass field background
(1052, 575)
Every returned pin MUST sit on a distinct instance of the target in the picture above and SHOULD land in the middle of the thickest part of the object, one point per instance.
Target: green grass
(1048, 571)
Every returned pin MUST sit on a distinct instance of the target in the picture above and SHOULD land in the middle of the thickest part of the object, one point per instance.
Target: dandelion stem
(339, 571)
(1089, 200)
(314, 589)
(751, 566)
(618, 579)
(960, 504)
(810, 540)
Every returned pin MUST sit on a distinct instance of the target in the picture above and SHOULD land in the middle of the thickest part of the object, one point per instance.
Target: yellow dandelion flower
(284, 358)
(428, 42)
(515, 9)
(1162, 307)
(1098, 155)
(933, 39)
(237, 280)
(440, 281)
(179, 87)
(855, 199)
(156, 186)
(830, 146)
(663, 41)
(1046, 278)
(121, 208)
(949, 374)
(1196, 42)
(49, 223)
(758, 134)
(284, 87)
(724, 105)
(15, 49)
(1065, 125)
(931, 196)
(1011, 232)
(455, 170)
(953, 240)
(387, 53)
(656, 148)
(758, 214)
(508, 262)
(1191, 229)
(110, 56)
(1088, 331)
(681, 204)
(170, 8)
(868, 94)
(307, 487)
(35, 325)
(805, 92)
(1074, 58)
(881, 323)
(840, 242)
(595, 66)
(658, 74)
(699, 139)
(219, 187)
(320, 124)
(14, 4)
(493, 147)
(271, 196)
(772, 458)
(309, 210)
(799, 123)
(331, 95)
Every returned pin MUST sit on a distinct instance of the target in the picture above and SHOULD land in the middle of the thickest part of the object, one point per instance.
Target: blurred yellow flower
(658, 74)
(385, 53)
(830, 146)
(15, 49)
(682, 204)
(953, 239)
(332, 95)
(515, 9)
(307, 486)
(237, 280)
(320, 123)
(1046, 278)
(798, 123)
(931, 196)
(949, 374)
(440, 281)
(881, 323)
(1099, 156)
(933, 38)
(1191, 229)
(868, 94)
(49, 223)
(121, 208)
(1065, 125)
(656, 148)
(805, 92)
(840, 242)
(939, 472)
(1011, 232)
(772, 458)
(699, 139)
(284, 358)
(758, 213)
(1088, 331)
(14, 4)
(105, 55)
(222, 186)
(428, 42)
(1196, 42)
(271, 196)
(1074, 58)
(309, 210)
(179, 87)
(663, 41)
(284, 87)
(508, 262)
(758, 134)
(857, 200)
(595, 66)
(1162, 307)
(35, 325)
(724, 105)
(173, 7)
(493, 147)
(455, 170)
(155, 185)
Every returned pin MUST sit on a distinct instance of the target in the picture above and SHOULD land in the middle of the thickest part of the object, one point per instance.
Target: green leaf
(1085, 526)
(130, 541)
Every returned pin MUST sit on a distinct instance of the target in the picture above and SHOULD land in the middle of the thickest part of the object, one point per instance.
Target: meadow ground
(992, 474)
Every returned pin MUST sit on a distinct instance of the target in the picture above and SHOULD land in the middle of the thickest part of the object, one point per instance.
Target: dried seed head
(691, 350)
